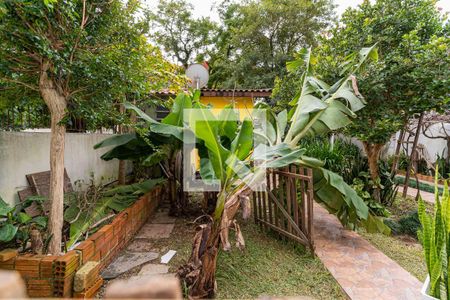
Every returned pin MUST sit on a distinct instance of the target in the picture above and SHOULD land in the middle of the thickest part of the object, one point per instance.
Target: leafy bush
(410, 224)
(15, 226)
(96, 205)
(435, 238)
(359, 185)
(443, 165)
(347, 160)
(343, 157)
(389, 186)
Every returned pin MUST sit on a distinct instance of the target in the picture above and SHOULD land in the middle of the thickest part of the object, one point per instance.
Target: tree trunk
(373, 153)
(122, 170)
(413, 150)
(397, 150)
(57, 104)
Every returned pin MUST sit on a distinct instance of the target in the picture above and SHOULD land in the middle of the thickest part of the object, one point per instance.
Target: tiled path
(362, 270)
(128, 266)
(412, 192)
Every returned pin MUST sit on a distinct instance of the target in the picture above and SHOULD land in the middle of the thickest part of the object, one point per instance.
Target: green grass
(269, 266)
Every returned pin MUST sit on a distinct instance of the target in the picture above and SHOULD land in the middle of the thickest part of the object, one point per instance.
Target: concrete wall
(23, 153)
(433, 147)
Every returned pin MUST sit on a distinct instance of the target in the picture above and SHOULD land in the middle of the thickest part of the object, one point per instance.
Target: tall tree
(410, 76)
(79, 56)
(181, 34)
(258, 37)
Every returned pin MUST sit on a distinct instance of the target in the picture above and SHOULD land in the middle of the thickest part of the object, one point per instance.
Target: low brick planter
(422, 177)
(53, 276)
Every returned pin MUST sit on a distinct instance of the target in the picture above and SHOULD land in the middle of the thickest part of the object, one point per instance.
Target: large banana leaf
(175, 117)
(320, 108)
(115, 199)
(116, 140)
(243, 142)
(206, 128)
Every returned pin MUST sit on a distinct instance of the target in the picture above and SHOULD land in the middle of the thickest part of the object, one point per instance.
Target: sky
(205, 8)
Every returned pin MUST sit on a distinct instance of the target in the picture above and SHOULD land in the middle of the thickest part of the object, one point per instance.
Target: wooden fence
(286, 207)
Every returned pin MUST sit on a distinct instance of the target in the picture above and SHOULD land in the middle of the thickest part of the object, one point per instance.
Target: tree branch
(30, 86)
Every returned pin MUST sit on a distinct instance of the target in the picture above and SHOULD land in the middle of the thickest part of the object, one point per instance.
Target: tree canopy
(183, 36)
(410, 76)
(95, 51)
(81, 57)
(258, 38)
(252, 43)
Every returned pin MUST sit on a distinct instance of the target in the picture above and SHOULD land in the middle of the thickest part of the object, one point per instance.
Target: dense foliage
(410, 76)
(252, 43)
(175, 28)
(97, 55)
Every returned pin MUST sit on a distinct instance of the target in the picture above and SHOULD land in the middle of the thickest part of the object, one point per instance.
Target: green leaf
(71, 213)
(228, 122)
(286, 159)
(175, 117)
(243, 143)
(7, 232)
(116, 140)
(5, 209)
(205, 128)
(206, 170)
(41, 221)
(140, 113)
(23, 218)
(281, 125)
(167, 129)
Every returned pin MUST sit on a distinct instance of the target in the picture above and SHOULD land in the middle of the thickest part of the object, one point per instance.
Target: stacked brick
(53, 276)
(87, 280)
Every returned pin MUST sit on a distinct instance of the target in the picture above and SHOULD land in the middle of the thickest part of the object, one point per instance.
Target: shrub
(435, 238)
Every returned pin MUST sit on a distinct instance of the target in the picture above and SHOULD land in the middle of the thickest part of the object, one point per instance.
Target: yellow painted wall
(219, 103)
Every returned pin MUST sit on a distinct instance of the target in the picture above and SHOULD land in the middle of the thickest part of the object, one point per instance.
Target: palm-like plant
(156, 143)
(224, 144)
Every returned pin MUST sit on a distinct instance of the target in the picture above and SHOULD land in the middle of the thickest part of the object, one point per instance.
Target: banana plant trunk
(199, 273)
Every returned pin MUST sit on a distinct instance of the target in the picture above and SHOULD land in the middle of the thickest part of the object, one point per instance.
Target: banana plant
(435, 239)
(225, 146)
(156, 143)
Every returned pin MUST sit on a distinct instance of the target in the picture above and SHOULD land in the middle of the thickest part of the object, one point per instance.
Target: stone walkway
(140, 260)
(363, 271)
(412, 192)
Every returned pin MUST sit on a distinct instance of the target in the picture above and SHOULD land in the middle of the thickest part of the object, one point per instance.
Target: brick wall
(52, 276)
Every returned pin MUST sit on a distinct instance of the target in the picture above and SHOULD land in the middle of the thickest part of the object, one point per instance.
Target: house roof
(223, 92)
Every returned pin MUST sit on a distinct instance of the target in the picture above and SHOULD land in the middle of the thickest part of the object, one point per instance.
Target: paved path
(139, 258)
(363, 271)
(412, 192)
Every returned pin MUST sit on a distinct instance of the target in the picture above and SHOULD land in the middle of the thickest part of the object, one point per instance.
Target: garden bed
(422, 177)
(53, 276)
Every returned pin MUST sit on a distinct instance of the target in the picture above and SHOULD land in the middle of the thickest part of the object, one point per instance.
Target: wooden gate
(286, 207)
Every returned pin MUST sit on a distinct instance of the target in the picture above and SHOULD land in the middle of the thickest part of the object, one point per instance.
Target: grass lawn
(405, 250)
(272, 267)
(267, 266)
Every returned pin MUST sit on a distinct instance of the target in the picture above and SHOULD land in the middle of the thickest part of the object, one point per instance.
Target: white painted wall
(24, 153)
(434, 147)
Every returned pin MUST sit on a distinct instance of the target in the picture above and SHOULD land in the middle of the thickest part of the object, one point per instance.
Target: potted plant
(435, 239)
